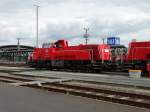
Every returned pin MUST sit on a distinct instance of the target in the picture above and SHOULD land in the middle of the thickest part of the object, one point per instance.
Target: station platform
(23, 99)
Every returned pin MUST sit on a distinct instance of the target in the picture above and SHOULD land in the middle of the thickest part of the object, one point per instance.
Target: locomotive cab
(61, 44)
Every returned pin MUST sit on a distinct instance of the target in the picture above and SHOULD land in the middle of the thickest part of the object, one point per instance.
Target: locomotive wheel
(48, 66)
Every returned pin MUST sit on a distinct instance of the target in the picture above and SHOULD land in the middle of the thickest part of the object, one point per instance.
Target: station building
(15, 52)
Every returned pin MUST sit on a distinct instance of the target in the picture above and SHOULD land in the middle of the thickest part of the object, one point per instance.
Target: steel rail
(100, 94)
(13, 79)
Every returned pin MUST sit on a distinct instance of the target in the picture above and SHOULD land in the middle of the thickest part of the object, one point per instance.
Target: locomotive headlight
(106, 50)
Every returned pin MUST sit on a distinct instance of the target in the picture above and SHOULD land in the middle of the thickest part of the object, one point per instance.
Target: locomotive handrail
(99, 52)
(91, 53)
(102, 54)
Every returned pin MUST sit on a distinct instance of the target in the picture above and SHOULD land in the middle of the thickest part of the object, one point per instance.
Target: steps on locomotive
(96, 64)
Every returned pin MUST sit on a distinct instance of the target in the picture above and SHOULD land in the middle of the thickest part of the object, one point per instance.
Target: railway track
(13, 64)
(14, 79)
(99, 94)
(95, 92)
(62, 70)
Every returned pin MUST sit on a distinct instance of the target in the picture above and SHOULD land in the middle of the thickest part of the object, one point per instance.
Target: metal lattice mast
(86, 35)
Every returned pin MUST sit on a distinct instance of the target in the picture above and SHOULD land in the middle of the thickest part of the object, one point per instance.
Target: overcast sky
(65, 19)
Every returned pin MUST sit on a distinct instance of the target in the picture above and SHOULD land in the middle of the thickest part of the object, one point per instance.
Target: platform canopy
(15, 48)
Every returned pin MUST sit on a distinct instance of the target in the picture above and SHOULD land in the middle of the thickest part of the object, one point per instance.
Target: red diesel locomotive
(60, 55)
(138, 56)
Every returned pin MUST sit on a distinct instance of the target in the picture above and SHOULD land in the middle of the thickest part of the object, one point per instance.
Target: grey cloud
(58, 31)
(72, 31)
(19, 4)
(97, 27)
(118, 27)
